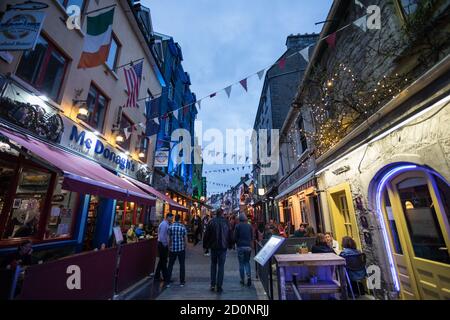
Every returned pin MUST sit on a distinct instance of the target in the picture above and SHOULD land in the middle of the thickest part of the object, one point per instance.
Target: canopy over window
(80, 174)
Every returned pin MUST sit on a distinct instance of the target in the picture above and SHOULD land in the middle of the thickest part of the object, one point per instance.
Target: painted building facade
(379, 103)
(78, 114)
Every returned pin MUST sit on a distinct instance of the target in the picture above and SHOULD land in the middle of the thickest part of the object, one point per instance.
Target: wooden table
(312, 260)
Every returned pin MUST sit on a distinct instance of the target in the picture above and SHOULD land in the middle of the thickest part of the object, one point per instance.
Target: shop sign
(19, 30)
(91, 146)
(161, 158)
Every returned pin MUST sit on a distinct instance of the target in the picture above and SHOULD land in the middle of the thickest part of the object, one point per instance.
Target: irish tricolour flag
(98, 40)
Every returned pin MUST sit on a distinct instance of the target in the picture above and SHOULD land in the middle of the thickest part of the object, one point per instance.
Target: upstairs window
(113, 56)
(408, 7)
(44, 68)
(97, 104)
(125, 123)
(302, 137)
(68, 3)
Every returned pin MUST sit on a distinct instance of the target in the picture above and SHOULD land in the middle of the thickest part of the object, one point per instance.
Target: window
(421, 218)
(408, 6)
(28, 203)
(113, 55)
(68, 3)
(125, 124)
(302, 137)
(171, 91)
(62, 212)
(143, 147)
(392, 225)
(44, 68)
(97, 104)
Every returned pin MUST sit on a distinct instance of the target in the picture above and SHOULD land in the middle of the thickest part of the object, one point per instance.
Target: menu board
(269, 249)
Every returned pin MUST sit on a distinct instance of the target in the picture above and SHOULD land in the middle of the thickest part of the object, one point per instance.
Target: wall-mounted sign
(19, 30)
(161, 158)
(340, 170)
(91, 146)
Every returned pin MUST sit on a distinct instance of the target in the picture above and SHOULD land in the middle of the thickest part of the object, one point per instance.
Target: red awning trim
(80, 174)
(173, 204)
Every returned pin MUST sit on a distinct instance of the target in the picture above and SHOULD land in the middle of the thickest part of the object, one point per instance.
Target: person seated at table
(140, 231)
(356, 268)
(334, 244)
(321, 245)
(310, 233)
(300, 233)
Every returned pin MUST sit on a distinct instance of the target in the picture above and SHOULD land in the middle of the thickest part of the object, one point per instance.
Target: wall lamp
(83, 111)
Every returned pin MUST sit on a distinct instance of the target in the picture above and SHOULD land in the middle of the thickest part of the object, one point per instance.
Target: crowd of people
(218, 233)
(222, 232)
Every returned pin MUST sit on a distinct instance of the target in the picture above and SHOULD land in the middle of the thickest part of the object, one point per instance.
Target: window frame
(126, 144)
(108, 101)
(118, 51)
(37, 84)
(21, 163)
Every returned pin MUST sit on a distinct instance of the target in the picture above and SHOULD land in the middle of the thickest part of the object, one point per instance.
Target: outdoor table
(312, 261)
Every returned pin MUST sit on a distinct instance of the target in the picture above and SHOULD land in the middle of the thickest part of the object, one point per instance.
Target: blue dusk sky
(223, 41)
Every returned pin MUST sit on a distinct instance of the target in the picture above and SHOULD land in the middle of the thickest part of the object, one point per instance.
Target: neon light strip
(379, 194)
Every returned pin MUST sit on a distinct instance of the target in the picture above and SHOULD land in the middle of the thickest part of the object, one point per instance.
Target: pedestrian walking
(177, 249)
(196, 228)
(205, 222)
(218, 239)
(163, 249)
(243, 236)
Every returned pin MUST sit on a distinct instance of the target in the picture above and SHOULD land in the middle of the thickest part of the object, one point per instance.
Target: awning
(80, 174)
(149, 189)
(296, 185)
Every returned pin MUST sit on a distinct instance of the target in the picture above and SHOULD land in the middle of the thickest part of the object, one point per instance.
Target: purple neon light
(380, 190)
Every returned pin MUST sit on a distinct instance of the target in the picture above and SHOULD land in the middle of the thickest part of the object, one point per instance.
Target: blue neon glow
(379, 194)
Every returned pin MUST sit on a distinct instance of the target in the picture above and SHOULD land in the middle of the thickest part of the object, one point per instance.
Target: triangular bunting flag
(243, 83)
(127, 133)
(305, 53)
(331, 40)
(175, 114)
(228, 91)
(361, 23)
(261, 74)
(199, 103)
(156, 120)
(282, 63)
(212, 95)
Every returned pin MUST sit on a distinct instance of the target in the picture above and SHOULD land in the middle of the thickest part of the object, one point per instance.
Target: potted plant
(302, 248)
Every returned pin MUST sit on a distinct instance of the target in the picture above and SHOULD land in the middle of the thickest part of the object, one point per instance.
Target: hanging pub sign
(161, 158)
(19, 30)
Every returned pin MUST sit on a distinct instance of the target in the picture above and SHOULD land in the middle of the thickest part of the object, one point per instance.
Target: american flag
(133, 78)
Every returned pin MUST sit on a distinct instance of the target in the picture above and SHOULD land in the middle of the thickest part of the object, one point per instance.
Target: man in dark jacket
(218, 239)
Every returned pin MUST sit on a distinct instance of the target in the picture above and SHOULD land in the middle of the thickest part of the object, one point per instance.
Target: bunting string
(330, 39)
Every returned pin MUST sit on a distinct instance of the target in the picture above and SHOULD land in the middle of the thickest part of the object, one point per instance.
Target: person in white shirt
(334, 244)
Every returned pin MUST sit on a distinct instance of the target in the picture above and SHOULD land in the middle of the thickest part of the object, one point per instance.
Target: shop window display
(28, 203)
(62, 212)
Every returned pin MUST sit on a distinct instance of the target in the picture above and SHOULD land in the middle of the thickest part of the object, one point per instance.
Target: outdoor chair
(356, 266)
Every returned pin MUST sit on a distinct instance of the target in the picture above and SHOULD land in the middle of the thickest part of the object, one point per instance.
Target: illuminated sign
(91, 146)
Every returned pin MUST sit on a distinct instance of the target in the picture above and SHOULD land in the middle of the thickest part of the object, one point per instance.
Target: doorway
(415, 205)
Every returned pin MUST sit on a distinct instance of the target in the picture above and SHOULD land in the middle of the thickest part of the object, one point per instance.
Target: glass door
(421, 212)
